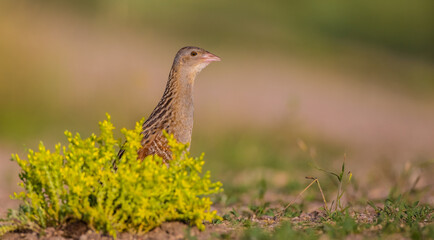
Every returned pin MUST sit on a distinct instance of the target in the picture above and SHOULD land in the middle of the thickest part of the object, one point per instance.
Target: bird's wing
(153, 142)
(147, 137)
(156, 144)
(118, 157)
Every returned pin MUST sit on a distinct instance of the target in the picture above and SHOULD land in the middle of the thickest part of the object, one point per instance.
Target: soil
(178, 230)
(168, 230)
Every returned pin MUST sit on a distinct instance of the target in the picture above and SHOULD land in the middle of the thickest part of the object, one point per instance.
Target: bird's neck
(180, 89)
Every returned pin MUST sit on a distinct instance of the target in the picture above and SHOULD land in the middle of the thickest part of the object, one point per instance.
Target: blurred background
(301, 83)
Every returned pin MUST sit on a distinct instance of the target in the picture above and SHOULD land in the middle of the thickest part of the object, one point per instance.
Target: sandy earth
(8, 182)
(168, 231)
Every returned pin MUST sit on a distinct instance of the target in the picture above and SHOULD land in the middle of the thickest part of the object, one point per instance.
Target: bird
(174, 111)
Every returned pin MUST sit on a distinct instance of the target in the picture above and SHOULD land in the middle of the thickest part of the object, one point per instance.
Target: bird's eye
(193, 53)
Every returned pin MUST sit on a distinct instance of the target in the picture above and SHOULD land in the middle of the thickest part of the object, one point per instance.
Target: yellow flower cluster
(78, 181)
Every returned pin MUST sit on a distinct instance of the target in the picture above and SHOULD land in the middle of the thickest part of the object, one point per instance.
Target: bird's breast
(182, 122)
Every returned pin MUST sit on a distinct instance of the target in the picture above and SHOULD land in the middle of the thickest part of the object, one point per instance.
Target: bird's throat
(180, 88)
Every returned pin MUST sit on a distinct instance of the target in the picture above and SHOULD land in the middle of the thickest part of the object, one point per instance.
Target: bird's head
(193, 59)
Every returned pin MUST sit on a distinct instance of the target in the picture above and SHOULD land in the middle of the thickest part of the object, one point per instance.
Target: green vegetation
(392, 216)
(77, 182)
(248, 208)
(397, 216)
(249, 211)
(264, 219)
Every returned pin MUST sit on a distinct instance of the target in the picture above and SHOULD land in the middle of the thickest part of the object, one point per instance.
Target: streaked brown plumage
(174, 112)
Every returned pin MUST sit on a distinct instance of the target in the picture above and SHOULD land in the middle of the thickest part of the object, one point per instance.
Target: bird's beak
(209, 57)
